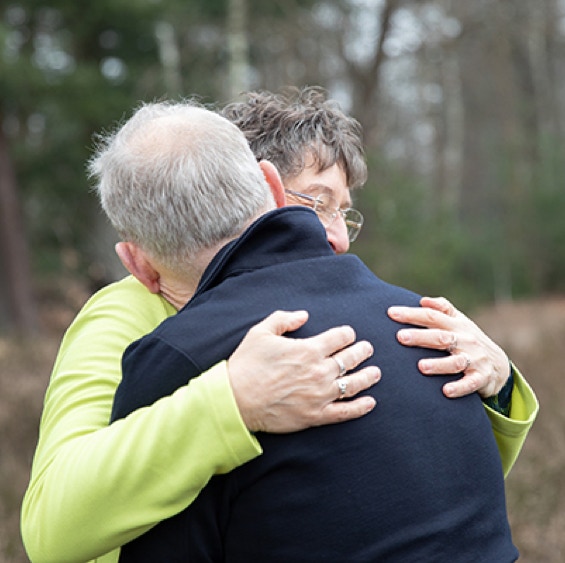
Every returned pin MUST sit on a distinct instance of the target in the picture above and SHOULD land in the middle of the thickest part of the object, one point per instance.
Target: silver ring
(340, 365)
(342, 386)
(453, 344)
(468, 363)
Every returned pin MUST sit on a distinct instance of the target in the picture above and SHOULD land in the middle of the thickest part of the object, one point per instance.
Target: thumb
(280, 322)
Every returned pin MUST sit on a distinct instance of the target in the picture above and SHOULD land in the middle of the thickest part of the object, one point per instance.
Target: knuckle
(318, 373)
(446, 305)
(446, 302)
(462, 361)
(441, 300)
(472, 384)
(446, 338)
(430, 316)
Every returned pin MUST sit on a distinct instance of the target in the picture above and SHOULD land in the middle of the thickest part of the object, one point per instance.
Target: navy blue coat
(417, 480)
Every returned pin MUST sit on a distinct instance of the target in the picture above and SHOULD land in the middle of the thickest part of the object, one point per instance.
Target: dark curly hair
(289, 127)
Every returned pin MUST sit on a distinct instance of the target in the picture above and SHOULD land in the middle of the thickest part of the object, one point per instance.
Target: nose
(337, 235)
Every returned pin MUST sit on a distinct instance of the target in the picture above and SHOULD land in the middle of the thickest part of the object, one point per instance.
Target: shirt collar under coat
(283, 235)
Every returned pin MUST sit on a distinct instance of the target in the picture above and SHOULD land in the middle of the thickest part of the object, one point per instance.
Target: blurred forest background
(463, 107)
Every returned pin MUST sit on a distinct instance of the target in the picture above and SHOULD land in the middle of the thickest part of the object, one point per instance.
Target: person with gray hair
(393, 486)
(153, 166)
(271, 382)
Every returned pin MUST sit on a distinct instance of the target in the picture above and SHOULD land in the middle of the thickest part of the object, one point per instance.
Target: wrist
(502, 401)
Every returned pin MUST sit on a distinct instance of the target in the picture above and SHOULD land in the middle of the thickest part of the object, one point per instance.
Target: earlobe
(275, 182)
(138, 265)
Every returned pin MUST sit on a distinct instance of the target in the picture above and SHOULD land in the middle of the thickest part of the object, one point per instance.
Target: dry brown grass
(24, 373)
(532, 333)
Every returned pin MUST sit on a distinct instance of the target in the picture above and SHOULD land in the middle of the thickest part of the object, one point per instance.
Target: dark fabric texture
(417, 480)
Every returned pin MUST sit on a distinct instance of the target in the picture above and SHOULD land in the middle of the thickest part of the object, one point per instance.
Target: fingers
(349, 358)
(282, 384)
(428, 338)
(472, 380)
(482, 362)
(421, 316)
(343, 411)
(280, 322)
(464, 386)
(328, 342)
(350, 385)
(340, 411)
(440, 304)
(333, 340)
(457, 363)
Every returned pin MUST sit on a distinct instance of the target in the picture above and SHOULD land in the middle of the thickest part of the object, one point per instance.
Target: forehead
(332, 181)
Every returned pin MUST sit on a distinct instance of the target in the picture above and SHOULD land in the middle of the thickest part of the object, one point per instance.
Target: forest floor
(533, 333)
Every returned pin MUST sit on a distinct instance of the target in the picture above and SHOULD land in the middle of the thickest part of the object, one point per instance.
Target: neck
(179, 287)
(177, 294)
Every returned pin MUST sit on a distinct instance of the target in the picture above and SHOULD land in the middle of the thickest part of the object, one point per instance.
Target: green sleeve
(511, 432)
(94, 487)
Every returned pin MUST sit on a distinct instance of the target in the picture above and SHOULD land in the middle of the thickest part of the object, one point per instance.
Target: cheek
(337, 236)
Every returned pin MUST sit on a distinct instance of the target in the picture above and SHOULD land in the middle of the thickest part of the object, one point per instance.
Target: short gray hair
(177, 178)
(286, 128)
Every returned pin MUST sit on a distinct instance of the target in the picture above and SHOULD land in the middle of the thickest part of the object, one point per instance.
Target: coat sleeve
(511, 432)
(94, 487)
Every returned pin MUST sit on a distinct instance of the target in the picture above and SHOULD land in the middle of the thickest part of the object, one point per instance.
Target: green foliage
(67, 72)
(542, 227)
(412, 239)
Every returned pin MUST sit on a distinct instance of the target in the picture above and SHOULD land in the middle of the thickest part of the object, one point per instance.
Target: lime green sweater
(94, 487)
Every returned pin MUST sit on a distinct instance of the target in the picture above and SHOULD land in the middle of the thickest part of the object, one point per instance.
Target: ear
(138, 265)
(274, 180)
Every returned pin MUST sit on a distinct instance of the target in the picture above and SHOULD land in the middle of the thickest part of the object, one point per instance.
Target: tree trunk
(367, 80)
(17, 302)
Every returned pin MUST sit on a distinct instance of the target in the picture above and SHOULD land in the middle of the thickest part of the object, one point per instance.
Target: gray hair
(287, 128)
(176, 179)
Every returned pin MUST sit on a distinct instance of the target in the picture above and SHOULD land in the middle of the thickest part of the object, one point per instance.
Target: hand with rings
(285, 384)
(484, 366)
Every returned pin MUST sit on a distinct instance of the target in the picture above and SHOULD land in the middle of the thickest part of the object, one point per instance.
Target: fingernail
(424, 365)
(404, 336)
(448, 389)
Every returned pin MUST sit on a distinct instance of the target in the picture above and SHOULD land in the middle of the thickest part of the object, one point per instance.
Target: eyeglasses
(327, 209)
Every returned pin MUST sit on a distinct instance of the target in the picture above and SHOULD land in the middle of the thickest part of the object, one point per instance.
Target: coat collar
(280, 236)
